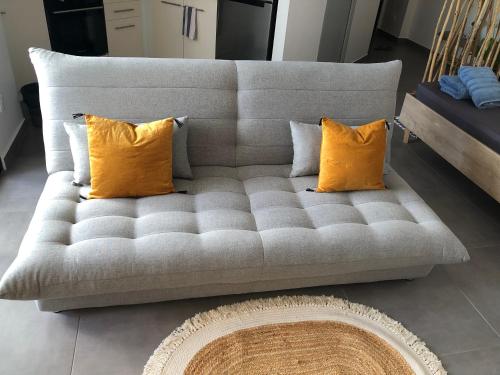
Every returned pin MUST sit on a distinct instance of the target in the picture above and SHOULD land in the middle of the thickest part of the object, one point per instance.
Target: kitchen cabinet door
(204, 45)
(25, 26)
(125, 37)
(166, 36)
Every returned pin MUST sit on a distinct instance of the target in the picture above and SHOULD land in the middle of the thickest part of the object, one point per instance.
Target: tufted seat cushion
(234, 225)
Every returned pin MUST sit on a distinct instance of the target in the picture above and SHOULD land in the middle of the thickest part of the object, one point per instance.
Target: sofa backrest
(270, 94)
(239, 111)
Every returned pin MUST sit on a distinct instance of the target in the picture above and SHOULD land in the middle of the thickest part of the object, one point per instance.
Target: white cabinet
(25, 26)
(124, 28)
(125, 37)
(204, 45)
(166, 32)
(123, 9)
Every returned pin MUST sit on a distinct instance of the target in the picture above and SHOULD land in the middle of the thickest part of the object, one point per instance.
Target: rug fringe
(161, 355)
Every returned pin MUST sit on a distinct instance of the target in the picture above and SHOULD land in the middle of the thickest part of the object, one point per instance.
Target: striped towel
(189, 22)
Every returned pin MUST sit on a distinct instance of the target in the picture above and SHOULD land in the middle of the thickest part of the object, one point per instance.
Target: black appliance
(77, 27)
(245, 29)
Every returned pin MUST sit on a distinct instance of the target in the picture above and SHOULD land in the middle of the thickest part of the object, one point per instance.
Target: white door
(204, 45)
(167, 28)
(25, 26)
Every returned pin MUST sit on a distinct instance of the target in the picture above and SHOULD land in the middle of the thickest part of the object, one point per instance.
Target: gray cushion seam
(145, 88)
(367, 224)
(156, 234)
(263, 259)
(150, 214)
(237, 96)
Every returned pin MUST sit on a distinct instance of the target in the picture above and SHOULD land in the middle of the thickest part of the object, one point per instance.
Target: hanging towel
(189, 22)
(453, 86)
(482, 84)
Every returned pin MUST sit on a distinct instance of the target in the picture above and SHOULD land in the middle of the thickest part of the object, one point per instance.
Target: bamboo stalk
(462, 55)
(440, 39)
(461, 29)
(475, 30)
(434, 40)
(461, 47)
(495, 57)
(478, 60)
(451, 36)
(489, 58)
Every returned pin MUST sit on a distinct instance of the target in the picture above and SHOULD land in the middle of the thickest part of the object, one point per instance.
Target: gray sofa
(244, 225)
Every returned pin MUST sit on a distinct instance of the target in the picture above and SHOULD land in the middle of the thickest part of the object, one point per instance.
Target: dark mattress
(484, 124)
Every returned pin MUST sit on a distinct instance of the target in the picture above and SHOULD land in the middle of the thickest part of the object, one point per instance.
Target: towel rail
(179, 5)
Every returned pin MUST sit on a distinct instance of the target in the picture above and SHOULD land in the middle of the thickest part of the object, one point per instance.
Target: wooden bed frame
(475, 160)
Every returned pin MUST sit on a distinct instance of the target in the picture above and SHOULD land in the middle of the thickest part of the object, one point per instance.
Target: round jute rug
(293, 335)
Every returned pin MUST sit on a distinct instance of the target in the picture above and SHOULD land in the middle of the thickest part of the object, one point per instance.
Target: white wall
(298, 29)
(24, 26)
(335, 30)
(416, 23)
(361, 29)
(280, 29)
(424, 21)
(11, 117)
(392, 16)
(407, 24)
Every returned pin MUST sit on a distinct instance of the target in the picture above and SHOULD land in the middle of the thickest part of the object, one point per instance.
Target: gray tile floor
(456, 309)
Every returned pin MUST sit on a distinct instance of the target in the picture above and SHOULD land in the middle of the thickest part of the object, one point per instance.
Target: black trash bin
(31, 104)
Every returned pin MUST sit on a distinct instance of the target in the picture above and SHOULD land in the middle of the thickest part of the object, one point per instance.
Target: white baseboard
(11, 141)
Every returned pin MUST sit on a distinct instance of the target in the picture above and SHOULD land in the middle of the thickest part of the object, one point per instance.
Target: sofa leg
(408, 136)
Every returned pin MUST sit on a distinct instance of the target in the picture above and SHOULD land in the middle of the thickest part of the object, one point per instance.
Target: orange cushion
(351, 158)
(128, 160)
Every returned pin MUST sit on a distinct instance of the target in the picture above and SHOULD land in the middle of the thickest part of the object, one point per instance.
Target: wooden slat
(471, 157)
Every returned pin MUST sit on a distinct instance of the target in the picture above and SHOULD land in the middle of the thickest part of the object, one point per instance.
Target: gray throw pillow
(306, 148)
(78, 142)
(306, 140)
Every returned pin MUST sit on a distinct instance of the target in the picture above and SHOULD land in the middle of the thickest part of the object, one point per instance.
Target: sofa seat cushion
(234, 225)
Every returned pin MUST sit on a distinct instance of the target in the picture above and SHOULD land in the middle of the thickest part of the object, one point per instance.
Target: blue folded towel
(453, 86)
(482, 84)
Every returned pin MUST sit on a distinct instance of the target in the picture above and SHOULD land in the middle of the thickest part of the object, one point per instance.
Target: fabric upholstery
(239, 111)
(271, 93)
(351, 159)
(79, 144)
(235, 225)
(78, 141)
(306, 140)
(482, 125)
(128, 160)
(139, 90)
(217, 289)
(181, 167)
(244, 224)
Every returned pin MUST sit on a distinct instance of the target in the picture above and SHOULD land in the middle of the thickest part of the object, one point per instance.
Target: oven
(77, 27)
(245, 29)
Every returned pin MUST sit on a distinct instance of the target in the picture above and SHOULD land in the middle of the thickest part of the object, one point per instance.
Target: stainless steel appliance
(77, 27)
(245, 29)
